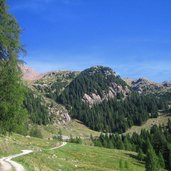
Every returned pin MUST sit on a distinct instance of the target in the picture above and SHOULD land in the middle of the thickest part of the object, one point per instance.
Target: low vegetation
(70, 157)
(155, 144)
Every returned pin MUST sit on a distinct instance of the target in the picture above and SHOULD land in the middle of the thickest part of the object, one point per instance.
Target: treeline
(154, 144)
(118, 115)
(38, 112)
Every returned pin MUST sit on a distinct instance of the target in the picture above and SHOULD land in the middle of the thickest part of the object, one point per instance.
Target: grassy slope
(69, 158)
(15, 143)
(163, 119)
(74, 128)
(83, 158)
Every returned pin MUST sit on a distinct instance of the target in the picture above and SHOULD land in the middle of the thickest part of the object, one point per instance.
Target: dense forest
(118, 115)
(93, 80)
(156, 144)
(112, 115)
(38, 112)
(165, 96)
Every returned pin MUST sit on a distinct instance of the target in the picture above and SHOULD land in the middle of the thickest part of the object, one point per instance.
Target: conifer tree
(12, 92)
(161, 160)
(151, 159)
(169, 160)
(140, 155)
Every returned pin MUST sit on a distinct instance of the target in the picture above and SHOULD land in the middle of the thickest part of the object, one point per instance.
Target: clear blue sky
(133, 37)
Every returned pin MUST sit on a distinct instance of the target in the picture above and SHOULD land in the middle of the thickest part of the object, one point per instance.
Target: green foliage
(60, 135)
(151, 160)
(38, 112)
(56, 83)
(9, 34)
(120, 164)
(113, 115)
(169, 156)
(117, 116)
(161, 160)
(35, 132)
(165, 96)
(126, 165)
(155, 144)
(76, 140)
(92, 80)
(12, 92)
(140, 155)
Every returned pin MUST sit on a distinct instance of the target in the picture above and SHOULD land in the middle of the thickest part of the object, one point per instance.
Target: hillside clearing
(162, 119)
(74, 128)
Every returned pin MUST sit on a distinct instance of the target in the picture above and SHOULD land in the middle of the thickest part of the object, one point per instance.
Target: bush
(35, 132)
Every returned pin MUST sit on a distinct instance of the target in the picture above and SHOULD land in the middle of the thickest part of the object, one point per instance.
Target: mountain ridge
(96, 91)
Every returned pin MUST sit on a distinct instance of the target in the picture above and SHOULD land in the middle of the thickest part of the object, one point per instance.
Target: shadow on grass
(133, 156)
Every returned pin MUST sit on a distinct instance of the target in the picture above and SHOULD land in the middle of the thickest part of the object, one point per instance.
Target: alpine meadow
(85, 85)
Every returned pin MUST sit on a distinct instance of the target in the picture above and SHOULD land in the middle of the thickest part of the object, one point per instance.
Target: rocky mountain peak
(96, 84)
(29, 74)
(143, 81)
(167, 84)
(143, 85)
(99, 69)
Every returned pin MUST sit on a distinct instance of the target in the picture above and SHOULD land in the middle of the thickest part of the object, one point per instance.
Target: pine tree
(151, 159)
(169, 160)
(12, 92)
(161, 160)
(140, 155)
(127, 144)
(110, 144)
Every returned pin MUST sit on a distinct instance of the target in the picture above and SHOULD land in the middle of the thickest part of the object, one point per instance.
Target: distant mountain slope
(94, 85)
(147, 86)
(99, 98)
(29, 74)
(143, 85)
(53, 83)
(41, 109)
(104, 102)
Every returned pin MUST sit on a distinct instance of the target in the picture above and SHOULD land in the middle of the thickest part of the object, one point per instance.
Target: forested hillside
(35, 105)
(94, 85)
(117, 107)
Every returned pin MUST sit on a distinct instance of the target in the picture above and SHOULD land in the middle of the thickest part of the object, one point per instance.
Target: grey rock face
(113, 91)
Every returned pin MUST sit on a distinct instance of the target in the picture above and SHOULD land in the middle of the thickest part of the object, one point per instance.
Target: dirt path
(6, 163)
(5, 166)
(63, 144)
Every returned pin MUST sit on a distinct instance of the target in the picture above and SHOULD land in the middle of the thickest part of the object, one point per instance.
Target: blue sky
(133, 37)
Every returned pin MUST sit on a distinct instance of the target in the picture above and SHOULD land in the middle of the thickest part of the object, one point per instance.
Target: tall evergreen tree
(140, 155)
(169, 160)
(151, 159)
(161, 160)
(12, 92)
